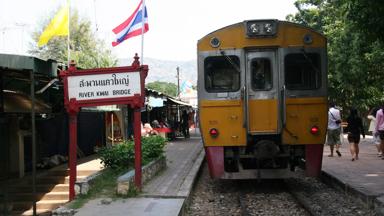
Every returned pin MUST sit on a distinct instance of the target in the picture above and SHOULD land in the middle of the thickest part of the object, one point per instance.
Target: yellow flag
(57, 27)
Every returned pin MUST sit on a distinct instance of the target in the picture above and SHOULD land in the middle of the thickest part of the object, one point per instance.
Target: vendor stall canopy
(157, 99)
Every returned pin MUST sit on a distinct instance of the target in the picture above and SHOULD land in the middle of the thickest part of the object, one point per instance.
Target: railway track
(298, 196)
(268, 198)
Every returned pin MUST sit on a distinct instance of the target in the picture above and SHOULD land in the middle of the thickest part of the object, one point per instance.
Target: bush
(152, 147)
(118, 156)
(121, 156)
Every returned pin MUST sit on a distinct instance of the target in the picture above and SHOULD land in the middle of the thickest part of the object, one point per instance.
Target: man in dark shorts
(334, 129)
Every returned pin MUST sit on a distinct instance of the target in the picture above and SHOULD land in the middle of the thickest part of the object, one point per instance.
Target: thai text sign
(104, 86)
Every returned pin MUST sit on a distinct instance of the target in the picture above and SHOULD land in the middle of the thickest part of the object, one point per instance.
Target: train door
(262, 100)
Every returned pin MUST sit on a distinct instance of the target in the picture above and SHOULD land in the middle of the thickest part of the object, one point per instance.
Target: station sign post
(99, 87)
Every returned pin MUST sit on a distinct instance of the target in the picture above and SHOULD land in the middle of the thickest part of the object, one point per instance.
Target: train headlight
(214, 132)
(315, 130)
(261, 28)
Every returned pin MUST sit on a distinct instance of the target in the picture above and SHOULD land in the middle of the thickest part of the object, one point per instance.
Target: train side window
(302, 71)
(261, 74)
(221, 75)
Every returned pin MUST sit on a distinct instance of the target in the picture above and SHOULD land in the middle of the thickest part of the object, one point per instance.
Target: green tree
(87, 50)
(367, 17)
(355, 63)
(163, 87)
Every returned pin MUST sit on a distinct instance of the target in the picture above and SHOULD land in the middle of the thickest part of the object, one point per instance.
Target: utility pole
(178, 92)
(178, 82)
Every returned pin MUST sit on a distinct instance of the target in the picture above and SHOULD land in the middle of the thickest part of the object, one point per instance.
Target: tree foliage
(87, 50)
(164, 87)
(355, 47)
(366, 16)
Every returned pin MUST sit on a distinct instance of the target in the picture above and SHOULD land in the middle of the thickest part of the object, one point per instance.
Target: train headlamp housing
(261, 28)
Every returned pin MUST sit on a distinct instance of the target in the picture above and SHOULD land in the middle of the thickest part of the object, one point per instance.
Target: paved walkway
(164, 195)
(363, 178)
(175, 181)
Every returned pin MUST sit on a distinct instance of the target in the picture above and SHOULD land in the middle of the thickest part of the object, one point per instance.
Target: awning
(17, 102)
(179, 102)
(155, 102)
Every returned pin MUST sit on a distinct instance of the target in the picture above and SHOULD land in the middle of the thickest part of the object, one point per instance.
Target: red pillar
(313, 159)
(215, 159)
(72, 154)
(137, 135)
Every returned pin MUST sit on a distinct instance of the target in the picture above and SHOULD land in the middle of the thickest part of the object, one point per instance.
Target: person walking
(185, 123)
(334, 129)
(354, 129)
(380, 128)
(372, 127)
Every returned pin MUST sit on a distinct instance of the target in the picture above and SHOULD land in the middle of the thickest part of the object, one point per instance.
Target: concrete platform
(363, 178)
(133, 206)
(167, 193)
(183, 159)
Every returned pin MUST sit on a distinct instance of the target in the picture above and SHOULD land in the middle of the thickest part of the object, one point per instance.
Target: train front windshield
(222, 74)
(302, 71)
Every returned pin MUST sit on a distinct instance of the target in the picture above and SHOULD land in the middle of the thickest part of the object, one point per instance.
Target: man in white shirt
(334, 129)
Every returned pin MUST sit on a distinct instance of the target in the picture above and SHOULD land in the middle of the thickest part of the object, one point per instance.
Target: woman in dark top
(354, 129)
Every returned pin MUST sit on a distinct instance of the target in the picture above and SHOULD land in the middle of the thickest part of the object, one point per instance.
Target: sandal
(353, 159)
(338, 153)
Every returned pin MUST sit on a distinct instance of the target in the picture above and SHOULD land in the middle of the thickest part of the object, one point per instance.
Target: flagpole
(142, 30)
(69, 32)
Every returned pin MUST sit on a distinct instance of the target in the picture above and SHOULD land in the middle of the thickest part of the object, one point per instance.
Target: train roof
(288, 34)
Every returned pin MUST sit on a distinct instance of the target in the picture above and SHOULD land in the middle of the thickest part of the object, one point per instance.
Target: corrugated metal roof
(178, 102)
(157, 94)
(19, 62)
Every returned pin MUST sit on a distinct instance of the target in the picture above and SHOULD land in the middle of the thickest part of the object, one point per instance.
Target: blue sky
(174, 25)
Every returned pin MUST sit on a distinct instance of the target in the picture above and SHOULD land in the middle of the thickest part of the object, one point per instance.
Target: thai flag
(132, 26)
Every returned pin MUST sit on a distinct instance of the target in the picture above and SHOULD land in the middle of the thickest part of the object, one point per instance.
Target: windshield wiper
(310, 61)
(233, 64)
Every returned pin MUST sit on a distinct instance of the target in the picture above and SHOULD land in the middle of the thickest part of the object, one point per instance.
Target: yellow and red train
(262, 98)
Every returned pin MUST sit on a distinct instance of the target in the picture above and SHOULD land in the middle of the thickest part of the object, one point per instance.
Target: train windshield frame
(302, 71)
(221, 75)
